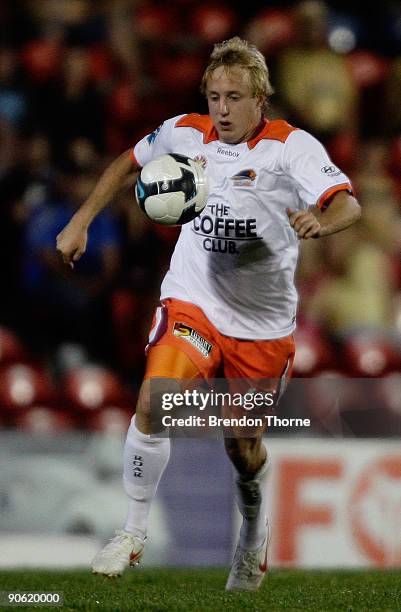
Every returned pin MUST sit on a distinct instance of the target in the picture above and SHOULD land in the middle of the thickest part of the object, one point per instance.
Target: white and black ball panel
(172, 189)
(164, 167)
(165, 208)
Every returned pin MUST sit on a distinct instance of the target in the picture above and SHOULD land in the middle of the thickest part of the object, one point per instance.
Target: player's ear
(261, 101)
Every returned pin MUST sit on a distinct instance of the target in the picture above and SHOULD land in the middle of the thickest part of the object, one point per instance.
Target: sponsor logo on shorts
(245, 178)
(330, 170)
(190, 335)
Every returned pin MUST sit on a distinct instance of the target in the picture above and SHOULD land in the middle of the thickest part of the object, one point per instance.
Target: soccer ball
(172, 189)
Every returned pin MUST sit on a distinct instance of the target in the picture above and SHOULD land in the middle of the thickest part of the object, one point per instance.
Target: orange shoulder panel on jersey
(202, 123)
(278, 129)
(272, 130)
(134, 159)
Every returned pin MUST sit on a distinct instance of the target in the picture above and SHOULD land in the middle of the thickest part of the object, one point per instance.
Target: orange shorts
(181, 326)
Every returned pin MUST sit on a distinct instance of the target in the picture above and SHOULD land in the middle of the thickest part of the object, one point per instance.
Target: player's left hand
(304, 223)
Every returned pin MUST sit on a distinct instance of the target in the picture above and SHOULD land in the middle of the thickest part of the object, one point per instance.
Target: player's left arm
(342, 211)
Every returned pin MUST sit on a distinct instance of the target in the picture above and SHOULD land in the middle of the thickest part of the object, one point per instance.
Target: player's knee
(151, 402)
(236, 448)
(144, 405)
(244, 454)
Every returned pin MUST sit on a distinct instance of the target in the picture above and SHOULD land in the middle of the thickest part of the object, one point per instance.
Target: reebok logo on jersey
(330, 170)
(227, 152)
(190, 335)
(245, 178)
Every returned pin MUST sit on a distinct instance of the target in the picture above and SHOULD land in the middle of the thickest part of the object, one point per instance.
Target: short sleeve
(308, 164)
(159, 142)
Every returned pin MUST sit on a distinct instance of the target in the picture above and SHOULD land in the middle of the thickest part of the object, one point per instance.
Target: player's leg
(247, 455)
(175, 355)
(250, 460)
(269, 363)
(145, 459)
(146, 456)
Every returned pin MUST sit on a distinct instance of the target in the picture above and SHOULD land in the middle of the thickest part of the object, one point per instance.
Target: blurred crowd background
(80, 82)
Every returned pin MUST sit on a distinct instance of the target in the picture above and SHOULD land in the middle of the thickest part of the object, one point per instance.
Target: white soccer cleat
(123, 550)
(248, 568)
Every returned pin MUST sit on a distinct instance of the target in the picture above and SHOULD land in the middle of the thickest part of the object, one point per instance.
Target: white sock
(145, 459)
(252, 501)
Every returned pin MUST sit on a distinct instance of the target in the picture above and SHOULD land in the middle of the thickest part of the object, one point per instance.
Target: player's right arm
(118, 176)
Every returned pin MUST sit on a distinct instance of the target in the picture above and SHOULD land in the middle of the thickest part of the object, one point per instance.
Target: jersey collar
(260, 133)
(204, 124)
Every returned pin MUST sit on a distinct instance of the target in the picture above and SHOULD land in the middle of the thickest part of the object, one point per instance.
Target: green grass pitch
(193, 590)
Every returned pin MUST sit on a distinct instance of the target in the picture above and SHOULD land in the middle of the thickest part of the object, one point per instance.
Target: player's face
(233, 108)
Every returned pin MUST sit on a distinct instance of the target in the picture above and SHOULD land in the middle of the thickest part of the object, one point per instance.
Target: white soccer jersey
(237, 260)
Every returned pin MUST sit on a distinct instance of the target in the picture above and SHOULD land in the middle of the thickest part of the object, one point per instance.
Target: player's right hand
(71, 242)
(304, 223)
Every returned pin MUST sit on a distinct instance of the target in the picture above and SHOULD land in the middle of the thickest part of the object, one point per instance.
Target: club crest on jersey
(245, 178)
(190, 335)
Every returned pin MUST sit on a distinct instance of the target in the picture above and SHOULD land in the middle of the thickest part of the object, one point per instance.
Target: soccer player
(231, 278)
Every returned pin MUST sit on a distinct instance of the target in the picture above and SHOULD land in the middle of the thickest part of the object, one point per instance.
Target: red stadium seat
(101, 65)
(212, 22)
(343, 149)
(23, 385)
(92, 387)
(179, 74)
(371, 354)
(11, 349)
(313, 352)
(42, 59)
(367, 68)
(270, 30)
(43, 419)
(123, 104)
(110, 419)
(155, 22)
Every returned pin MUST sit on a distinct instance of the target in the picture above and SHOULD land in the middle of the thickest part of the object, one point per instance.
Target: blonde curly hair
(237, 51)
